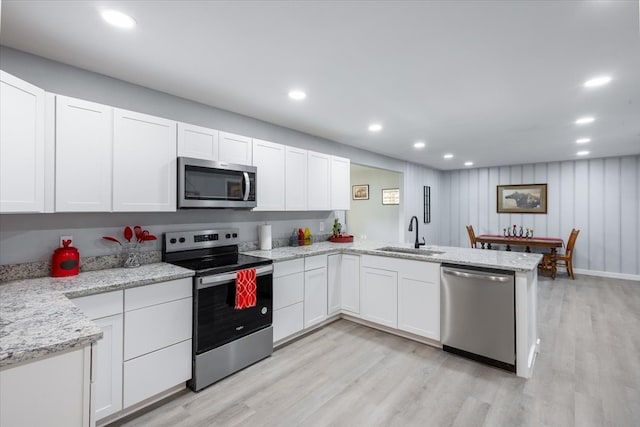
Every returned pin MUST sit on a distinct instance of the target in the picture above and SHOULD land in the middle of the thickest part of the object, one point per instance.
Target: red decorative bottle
(65, 261)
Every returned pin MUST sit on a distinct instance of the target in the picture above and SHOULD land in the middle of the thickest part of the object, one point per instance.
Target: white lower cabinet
(379, 296)
(315, 290)
(419, 299)
(343, 284)
(288, 297)
(157, 338)
(54, 391)
(106, 311)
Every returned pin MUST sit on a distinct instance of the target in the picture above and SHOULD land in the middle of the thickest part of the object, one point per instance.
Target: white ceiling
(494, 82)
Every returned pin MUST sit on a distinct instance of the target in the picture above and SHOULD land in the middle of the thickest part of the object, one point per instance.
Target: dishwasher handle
(477, 275)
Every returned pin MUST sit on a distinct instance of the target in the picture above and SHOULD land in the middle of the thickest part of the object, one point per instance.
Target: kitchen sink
(411, 251)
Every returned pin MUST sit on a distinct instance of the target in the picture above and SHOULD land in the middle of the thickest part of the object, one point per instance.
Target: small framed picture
(390, 196)
(526, 198)
(360, 192)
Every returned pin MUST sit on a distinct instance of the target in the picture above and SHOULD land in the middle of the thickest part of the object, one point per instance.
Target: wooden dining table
(551, 243)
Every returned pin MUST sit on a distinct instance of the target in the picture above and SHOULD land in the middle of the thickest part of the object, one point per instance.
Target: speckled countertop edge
(514, 261)
(37, 318)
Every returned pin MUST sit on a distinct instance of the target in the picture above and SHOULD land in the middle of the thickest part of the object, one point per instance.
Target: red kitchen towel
(246, 289)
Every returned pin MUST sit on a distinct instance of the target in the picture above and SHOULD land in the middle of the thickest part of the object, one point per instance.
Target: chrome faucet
(417, 243)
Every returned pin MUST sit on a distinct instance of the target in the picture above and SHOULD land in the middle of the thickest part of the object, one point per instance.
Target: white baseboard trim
(623, 276)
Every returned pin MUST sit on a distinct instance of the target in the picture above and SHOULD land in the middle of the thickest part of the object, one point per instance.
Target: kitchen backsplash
(31, 270)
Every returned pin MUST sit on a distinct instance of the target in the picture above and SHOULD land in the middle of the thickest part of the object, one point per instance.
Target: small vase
(131, 256)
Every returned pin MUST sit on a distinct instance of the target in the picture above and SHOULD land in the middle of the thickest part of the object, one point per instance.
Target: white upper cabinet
(269, 158)
(318, 181)
(340, 183)
(295, 179)
(22, 146)
(144, 163)
(83, 156)
(234, 148)
(197, 142)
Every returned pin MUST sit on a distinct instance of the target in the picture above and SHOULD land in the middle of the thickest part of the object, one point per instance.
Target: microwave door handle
(247, 186)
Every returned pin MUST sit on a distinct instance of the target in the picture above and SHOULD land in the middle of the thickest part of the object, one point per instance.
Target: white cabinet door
(288, 290)
(419, 299)
(268, 157)
(144, 163)
(379, 296)
(108, 371)
(315, 296)
(334, 283)
(295, 179)
(22, 145)
(83, 156)
(318, 181)
(340, 183)
(234, 148)
(350, 283)
(53, 391)
(197, 142)
(287, 321)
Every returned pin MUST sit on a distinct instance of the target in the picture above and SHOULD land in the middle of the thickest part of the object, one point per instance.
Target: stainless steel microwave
(211, 184)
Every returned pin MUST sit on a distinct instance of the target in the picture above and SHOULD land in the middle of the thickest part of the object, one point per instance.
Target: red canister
(65, 261)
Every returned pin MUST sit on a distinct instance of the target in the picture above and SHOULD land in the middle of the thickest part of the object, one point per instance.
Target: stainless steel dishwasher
(477, 314)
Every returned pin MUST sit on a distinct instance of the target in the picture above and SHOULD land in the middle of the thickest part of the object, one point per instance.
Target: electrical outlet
(322, 226)
(66, 238)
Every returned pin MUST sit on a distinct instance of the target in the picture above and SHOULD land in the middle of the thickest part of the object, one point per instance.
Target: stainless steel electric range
(225, 339)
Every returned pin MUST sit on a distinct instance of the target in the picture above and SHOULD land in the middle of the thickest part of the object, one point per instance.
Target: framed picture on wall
(391, 196)
(524, 198)
(360, 192)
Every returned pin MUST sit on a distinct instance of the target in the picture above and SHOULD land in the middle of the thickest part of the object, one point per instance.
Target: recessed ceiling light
(585, 120)
(297, 95)
(448, 156)
(375, 127)
(583, 140)
(582, 153)
(597, 81)
(118, 19)
(419, 144)
(468, 163)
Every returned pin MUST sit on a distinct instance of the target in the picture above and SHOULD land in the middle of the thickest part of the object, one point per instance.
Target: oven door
(209, 184)
(216, 321)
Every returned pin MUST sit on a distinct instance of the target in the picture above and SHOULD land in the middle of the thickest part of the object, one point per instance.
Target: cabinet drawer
(156, 372)
(288, 290)
(287, 321)
(100, 305)
(152, 328)
(316, 261)
(284, 268)
(145, 296)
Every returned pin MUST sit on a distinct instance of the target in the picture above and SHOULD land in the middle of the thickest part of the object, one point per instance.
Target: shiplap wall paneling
(549, 174)
(612, 215)
(598, 196)
(483, 226)
(597, 199)
(581, 214)
(630, 215)
(495, 227)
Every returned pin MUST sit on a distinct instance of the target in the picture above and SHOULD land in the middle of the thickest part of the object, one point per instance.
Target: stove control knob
(182, 240)
(228, 236)
(235, 235)
(173, 240)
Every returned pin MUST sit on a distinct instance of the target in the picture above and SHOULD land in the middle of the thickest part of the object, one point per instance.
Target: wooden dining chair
(472, 236)
(563, 260)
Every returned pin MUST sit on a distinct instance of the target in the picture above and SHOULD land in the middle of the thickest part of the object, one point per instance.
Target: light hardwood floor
(587, 374)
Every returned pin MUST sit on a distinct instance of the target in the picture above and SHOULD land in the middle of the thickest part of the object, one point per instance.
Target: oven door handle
(221, 279)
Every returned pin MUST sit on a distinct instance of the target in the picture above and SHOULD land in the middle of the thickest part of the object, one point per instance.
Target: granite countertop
(37, 318)
(514, 261)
